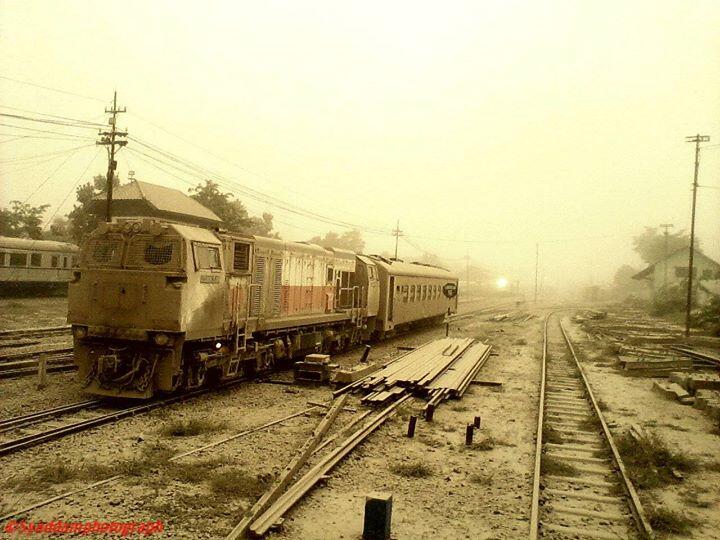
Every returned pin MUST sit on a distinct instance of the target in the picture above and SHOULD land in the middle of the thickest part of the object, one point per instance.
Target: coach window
(18, 259)
(207, 257)
(35, 259)
(54, 261)
(405, 294)
(412, 293)
(65, 262)
(2, 258)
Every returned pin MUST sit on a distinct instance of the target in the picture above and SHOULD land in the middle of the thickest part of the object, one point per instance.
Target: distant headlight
(161, 339)
(80, 332)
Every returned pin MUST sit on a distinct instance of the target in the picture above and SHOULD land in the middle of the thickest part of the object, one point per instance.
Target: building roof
(647, 272)
(10, 242)
(142, 199)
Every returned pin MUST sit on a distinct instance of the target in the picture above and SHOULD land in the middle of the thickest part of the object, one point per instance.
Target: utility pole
(467, 274)
(396, 233)
(111, 139)
(537, 258)
(697, 139)
(666, 226)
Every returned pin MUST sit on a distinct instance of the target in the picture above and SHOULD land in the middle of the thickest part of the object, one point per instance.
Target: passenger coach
(35, 265)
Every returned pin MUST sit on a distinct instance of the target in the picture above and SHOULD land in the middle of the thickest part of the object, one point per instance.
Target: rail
(567, 406)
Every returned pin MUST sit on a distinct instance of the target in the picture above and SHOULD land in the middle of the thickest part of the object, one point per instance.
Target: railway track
(26, 363)
(28, 333)
(33, 418)
(580, 486)
(77, 418)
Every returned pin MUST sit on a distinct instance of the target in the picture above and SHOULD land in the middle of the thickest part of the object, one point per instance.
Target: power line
(32, 158)
(260, 176)
(51, 89)
(35, 130)
(40, 137)
(50, 176)
(72, 189)
(89, 122)
(50, 121)
(193, 170)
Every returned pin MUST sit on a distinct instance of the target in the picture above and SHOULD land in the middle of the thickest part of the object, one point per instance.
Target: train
(158, 307)
(28, 266)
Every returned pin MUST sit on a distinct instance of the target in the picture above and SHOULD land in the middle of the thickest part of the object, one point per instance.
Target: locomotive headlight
(80, 332)
(161, 339)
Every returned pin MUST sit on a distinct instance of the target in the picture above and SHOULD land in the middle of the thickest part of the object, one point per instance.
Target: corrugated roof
(163, 199)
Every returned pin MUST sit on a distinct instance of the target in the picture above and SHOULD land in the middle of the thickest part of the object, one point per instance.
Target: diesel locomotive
(157, 306)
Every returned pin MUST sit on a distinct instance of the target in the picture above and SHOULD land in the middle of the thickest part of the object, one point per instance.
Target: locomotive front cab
(130, 303)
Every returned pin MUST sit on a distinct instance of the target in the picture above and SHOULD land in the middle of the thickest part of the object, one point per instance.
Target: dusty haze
(484, 127)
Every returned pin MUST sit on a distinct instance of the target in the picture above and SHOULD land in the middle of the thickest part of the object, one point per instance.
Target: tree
(351, 240)
(650, 245)
(231, 211)
(81, 219)
(22, 220)
(624, 282)
(59, 230)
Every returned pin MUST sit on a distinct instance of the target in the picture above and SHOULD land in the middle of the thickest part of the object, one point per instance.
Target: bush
(417, 469)
(669, 299)
(651, 463)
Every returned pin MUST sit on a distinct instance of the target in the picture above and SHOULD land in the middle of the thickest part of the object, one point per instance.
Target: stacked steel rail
(436, 371)
(700, 356)
(579, 465)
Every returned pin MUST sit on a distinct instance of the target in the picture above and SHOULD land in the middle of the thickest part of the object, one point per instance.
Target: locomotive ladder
(580, 486)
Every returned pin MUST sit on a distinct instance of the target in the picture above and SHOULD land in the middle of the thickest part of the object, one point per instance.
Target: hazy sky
(485, 127)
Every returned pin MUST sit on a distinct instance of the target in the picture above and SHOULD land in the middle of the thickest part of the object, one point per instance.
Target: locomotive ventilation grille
(104, 251)
(258, 282)
(150, 252)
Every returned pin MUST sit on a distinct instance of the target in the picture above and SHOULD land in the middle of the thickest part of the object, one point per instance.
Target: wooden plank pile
(438, 370)
(644, 366)
(702, 390)
(512, 316)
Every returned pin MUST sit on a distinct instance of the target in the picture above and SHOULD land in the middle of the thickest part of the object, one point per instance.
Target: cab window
(207, 257)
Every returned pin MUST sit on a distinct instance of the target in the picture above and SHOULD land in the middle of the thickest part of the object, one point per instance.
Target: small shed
(143, 199)
(672, 271)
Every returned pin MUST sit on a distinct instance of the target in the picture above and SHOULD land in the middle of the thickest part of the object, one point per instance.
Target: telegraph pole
(666, 226)
(537, 258)
(396, 233)
(111, 139)
(467, 274)
(697, 139)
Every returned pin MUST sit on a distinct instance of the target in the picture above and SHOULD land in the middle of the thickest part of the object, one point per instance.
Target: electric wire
(50, 121)
(51, 89)
(39, 187)
(72, 189)
(77, 120)
(32, 158)
(35, 130)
